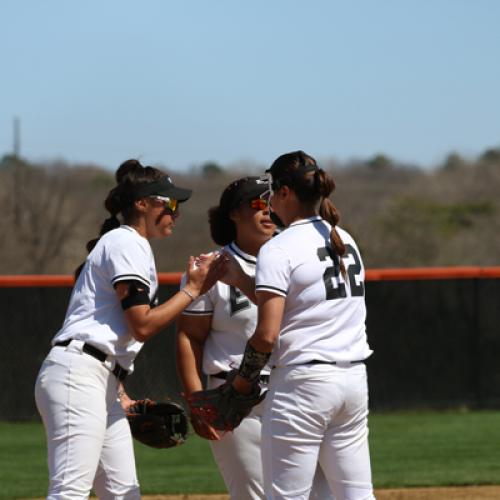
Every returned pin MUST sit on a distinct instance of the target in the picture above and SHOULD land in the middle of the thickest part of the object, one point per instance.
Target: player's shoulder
(121, 233)
(123, 239)
(276, 249)
(294, 236)
(325, 228)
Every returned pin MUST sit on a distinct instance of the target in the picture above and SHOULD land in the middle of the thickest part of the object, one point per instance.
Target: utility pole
(16, 191)
(16, 150)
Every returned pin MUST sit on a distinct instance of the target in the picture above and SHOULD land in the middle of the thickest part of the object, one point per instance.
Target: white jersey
(95, 314)
(234, 318)
(324, 316)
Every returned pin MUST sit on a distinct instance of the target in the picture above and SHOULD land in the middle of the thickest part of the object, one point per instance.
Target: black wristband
(252, 363)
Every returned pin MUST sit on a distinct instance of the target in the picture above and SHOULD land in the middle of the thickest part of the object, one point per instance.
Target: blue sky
(182, 82)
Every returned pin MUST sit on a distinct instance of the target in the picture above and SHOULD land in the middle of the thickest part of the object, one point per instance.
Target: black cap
(163, 187)
(243, 189)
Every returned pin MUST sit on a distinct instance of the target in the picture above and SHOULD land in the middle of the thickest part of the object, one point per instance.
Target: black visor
(243, 189)
(163, 187)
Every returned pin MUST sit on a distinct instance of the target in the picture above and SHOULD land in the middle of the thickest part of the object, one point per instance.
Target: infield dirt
(451, 493)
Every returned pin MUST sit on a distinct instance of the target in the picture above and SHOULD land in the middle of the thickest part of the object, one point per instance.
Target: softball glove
(223, 408)
(160, 424)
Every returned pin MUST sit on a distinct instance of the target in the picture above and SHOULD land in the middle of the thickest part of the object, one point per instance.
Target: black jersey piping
(271, 288)
(197, 313)
(246, 259)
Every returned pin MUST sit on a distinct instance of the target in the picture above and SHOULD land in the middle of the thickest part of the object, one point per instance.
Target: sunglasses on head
(259, 204)
(168, 203)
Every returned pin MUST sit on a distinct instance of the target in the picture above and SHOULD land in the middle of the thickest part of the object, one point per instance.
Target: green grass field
(408, 449)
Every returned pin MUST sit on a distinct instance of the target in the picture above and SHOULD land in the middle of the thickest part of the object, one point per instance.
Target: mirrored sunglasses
(169, 203)
(259, 204)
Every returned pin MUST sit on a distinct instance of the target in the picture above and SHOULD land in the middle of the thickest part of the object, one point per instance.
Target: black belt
(119, 372)
(321, 362)
(223, 375)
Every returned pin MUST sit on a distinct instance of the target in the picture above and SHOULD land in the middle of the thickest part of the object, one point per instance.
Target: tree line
(401, 216)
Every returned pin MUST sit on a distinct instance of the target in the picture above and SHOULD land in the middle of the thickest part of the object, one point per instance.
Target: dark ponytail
(222, 227)
(109, 224)
(329, 212)
(120, 200)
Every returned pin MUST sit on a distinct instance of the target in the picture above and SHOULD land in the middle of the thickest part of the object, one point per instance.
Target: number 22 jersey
(325, 313)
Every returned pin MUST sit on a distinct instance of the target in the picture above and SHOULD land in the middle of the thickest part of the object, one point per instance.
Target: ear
(141, 205)
(235, 215)
(284, 192)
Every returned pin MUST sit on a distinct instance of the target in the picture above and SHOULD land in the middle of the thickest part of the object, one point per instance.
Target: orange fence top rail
(59, 280)
(408, 274)
(432, 273)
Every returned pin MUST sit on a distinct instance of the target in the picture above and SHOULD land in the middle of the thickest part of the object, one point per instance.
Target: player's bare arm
(125, 401)
(260, 345)
(145, 322)
(192, 332)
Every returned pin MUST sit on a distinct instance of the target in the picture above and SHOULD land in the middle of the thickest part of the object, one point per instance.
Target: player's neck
(140, 226)
(250, 246)
(300, 215)
(291, 209)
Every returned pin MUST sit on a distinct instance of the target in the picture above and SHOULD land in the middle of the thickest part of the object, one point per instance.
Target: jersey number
(238, 300)
(335, 288)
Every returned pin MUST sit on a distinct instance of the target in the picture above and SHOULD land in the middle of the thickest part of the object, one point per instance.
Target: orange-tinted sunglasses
(259, 204)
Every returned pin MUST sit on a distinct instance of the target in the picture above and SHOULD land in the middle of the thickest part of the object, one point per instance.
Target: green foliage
(11, 162)
(441, 217)
(103, 179)
(453, 162)
(212, 169)
(491, 156)
(407, 449)
(399, 215)
(380, 162)
(420, 231)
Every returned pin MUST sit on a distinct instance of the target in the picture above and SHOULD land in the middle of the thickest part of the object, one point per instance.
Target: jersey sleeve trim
(197, 313)
(128, 277)
(272, 289)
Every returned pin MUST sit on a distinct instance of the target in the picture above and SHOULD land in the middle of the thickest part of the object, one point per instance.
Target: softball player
(108, 318)
(213, 331)
(311, 315)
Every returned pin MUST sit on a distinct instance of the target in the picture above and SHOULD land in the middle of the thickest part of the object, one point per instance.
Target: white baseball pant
(88, 437)
(317, 414)
(238, 456)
